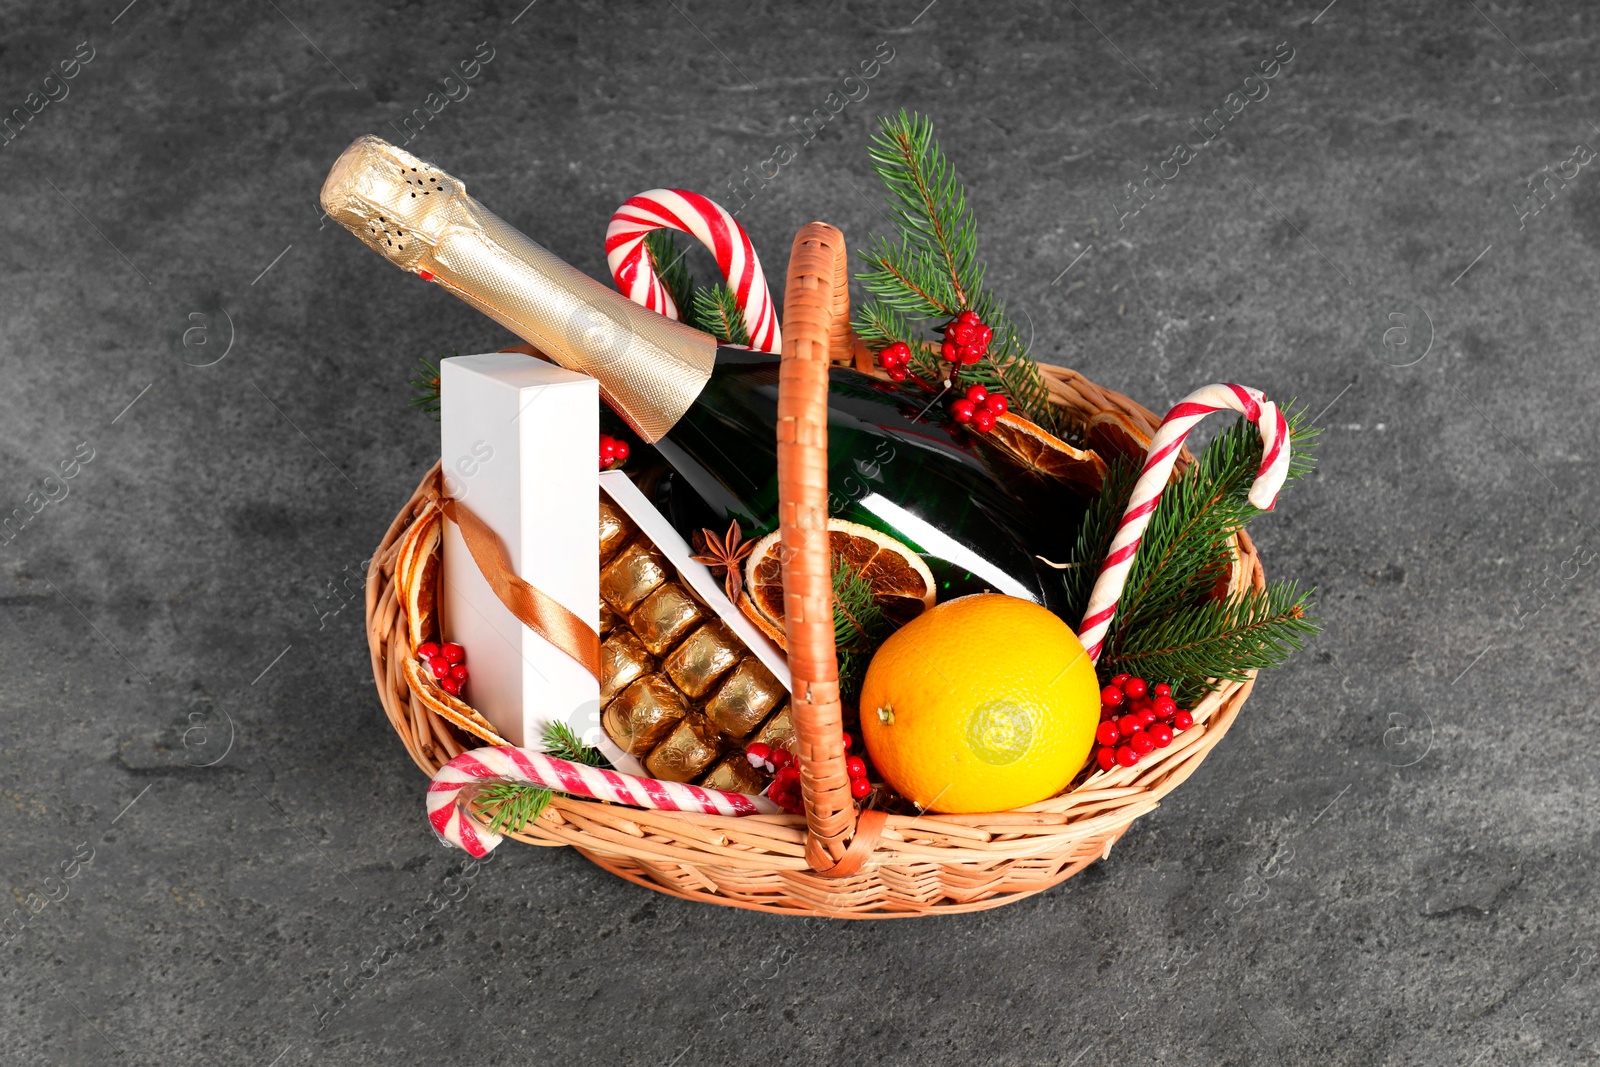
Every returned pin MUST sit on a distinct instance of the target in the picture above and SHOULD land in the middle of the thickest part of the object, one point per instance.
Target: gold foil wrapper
(643, 714)
(707, 654)
(615, 529)
(663, 617)
(633, 575)
(678, 689)
(777, 731)
(687, 751)
(735, 775)
(623, 661)
(741, 702)
(650, 369)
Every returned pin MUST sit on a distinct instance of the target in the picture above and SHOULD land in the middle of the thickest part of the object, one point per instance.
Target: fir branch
(856, 614)
(880, 325)
(931, 270)
(672, 268)
(427, 387)
(1221, 640)
(859, 624)
(1170, 623)
(563, 742)
(908, 281)
(1190, 535)
(716, 311)
(510, 806)
(929, 203)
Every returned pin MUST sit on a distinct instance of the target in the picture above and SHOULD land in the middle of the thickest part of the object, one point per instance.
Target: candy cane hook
(1163, 453)
(446, 809)
(691, 213)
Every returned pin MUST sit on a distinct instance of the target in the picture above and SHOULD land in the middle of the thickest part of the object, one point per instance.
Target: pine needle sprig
(427, 387)
(930, 271)
(938, 238)
(1171, 622)
(563, 742)
(713, 309)
(672, 268)
(856, 614)
(510, 806)
(908, 280)
(1222, 640)
(716, 311)
(859, 624)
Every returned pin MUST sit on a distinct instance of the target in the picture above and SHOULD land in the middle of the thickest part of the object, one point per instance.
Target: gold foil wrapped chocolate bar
(422, 220)
(680, 692)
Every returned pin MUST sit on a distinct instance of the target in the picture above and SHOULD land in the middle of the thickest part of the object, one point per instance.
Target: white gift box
(517, 442)
(518, 439)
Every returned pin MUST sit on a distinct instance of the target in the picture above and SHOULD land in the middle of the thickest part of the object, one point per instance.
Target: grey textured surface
(1390, 860)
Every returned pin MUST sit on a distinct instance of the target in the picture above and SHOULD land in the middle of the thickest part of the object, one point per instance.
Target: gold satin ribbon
(538, 611)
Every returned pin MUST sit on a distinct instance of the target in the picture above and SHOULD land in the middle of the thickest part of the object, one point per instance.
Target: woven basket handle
(811, 317)
(841, 338)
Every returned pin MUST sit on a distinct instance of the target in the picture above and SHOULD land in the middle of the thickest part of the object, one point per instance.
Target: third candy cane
(1163, 453)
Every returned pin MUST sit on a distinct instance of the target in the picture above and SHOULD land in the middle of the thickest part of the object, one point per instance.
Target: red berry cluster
(785, 788)
(1136, 718)
(613, 450)
(979, 408)
(966, 339)
(447, 663)
(856, 768)
(894, 360)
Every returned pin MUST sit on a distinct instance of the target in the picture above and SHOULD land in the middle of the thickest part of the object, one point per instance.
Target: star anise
(724, 553)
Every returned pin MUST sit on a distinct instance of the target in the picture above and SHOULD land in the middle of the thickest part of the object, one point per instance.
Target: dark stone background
(1389, 861)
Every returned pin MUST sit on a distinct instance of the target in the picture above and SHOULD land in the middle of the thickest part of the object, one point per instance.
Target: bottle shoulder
(855, 399)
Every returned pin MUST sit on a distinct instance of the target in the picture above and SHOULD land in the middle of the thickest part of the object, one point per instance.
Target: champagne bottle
(711, 412)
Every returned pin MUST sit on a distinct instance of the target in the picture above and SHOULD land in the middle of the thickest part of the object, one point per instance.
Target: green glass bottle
(892, 465)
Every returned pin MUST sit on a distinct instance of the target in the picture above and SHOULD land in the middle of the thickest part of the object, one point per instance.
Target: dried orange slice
(1041, 452)
(415, 572)
(901, 583)
(1111, 433)
(452, 710)
(773, 629)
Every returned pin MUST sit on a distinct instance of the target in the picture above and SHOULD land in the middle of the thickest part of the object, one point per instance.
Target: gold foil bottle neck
(650, 369)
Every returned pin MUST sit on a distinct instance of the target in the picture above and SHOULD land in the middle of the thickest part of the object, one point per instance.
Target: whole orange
(983, 703)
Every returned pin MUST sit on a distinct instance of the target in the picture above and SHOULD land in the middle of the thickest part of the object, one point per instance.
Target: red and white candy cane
(691, 213)
(449, 818)
(1163, 453)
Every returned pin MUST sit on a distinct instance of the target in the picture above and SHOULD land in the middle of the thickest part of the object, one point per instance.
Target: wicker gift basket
(835, 860)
